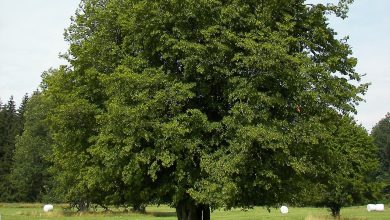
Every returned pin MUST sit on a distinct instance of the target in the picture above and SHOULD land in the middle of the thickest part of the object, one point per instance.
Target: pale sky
(31, 38)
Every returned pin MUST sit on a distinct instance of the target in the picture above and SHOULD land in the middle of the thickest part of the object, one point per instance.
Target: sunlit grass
(27, 211)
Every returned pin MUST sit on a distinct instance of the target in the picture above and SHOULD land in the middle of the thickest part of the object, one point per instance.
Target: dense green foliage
(347, 167)
(11, 125)
(205, 104)
(200, 105)
(381, 134)
(29, 175)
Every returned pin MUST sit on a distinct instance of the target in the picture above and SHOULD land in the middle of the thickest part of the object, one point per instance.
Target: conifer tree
(9, 129)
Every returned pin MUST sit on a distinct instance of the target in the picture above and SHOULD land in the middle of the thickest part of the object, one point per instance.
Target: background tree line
(24, 145)
(11, 126)
(196, 104)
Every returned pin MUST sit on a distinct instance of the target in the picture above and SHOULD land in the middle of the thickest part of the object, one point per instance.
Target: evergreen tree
(9, 129)
(20, 111)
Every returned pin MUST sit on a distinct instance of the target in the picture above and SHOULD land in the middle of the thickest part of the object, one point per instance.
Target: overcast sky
(31, 38)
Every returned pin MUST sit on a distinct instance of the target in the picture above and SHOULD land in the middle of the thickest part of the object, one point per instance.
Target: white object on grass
(48, 208)
(376, 207)
(284, 209)
(380, 207)
(371, 207)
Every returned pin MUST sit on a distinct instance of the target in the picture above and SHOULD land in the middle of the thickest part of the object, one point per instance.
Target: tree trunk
(189, 210)
(335, 209)
(139, 207)
(82, 206)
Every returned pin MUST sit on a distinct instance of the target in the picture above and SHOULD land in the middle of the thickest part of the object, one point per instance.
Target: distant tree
(341, 170)
(199, 104)
(21, 110)
(29, 175)
(351, 164)
(381, 135)
(9, 129)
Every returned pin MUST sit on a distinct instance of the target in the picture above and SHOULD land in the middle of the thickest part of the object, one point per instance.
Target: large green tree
(381, 134)
(200, 104)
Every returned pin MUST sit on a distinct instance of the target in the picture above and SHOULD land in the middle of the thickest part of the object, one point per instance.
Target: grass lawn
(34, 212)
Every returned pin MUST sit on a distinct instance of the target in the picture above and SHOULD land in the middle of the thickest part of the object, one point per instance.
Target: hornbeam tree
(201, 104)
(341, 164)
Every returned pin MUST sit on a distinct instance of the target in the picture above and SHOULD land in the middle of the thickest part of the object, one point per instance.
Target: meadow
(21, 211)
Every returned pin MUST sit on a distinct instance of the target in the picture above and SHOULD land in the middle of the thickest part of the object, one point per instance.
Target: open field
(34, 212)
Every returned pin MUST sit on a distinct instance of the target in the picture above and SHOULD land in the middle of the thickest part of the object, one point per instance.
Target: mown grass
(21, 211)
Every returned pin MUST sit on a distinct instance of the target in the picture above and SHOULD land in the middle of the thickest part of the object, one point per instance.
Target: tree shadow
(162, 214)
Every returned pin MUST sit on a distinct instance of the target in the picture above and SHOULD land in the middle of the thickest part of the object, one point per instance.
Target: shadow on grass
(117, 213)
(331, 218)
(162, 214)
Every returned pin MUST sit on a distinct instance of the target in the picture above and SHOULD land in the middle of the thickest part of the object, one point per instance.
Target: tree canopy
(201, 104)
